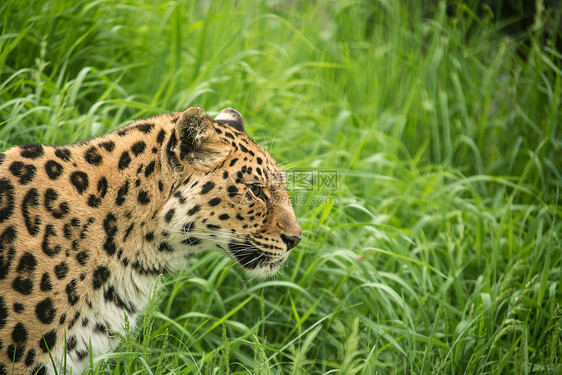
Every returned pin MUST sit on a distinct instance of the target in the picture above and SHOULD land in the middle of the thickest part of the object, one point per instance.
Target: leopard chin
(256, 262)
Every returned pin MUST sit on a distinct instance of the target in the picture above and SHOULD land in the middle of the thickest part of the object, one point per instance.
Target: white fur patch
(231, 117)
(229, 114)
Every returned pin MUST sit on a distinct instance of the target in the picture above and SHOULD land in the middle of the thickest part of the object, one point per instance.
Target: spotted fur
(86, 229)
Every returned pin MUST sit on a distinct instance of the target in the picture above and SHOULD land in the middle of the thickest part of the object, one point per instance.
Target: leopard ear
(197, 141)
(231, 117)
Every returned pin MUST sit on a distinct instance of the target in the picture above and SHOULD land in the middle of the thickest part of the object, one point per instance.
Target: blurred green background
(438, 251)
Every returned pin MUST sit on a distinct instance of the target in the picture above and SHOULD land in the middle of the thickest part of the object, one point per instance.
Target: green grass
(439, 251)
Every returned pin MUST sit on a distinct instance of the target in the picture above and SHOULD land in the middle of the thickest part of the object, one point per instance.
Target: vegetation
(438, 251)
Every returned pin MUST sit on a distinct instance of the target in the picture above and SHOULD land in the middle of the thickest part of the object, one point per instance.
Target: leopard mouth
(250, 257)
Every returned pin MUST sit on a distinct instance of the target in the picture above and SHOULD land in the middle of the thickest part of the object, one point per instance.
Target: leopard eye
(256, 189)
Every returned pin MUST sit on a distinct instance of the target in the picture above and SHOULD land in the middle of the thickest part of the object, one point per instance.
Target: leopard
(87, 229)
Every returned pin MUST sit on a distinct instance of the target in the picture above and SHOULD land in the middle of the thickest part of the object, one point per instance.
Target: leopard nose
(291, 241)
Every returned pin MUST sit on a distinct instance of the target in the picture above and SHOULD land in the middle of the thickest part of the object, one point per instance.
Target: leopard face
(242, 209)
(86, 229)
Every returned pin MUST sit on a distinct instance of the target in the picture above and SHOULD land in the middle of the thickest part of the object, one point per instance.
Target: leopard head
(230, 196)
